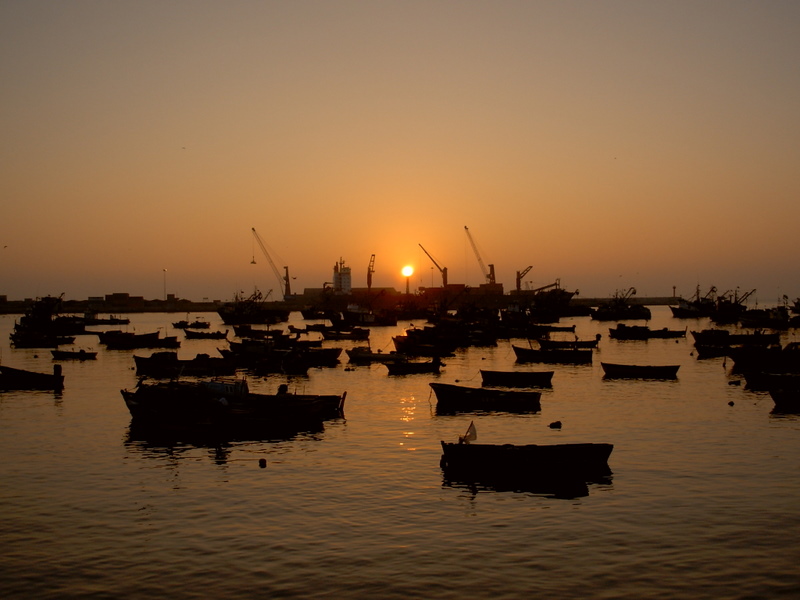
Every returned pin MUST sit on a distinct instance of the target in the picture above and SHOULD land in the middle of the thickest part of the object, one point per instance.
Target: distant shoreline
(128, 305)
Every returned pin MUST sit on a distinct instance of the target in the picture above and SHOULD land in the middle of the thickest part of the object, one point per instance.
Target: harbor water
(703, 501)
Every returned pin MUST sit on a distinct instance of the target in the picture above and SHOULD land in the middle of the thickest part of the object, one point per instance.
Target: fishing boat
(365, 355)
(517, 378)
(196, 324)
(617, 371)
(784, 389)
(410, 367)
(452, 398)
(548, 344)
(724, 337)
(20, 379)
(643, 332)
(355, 333)
(253, 309)
(167, 364)
(137, 341)
(565, 356)
(192, 334)
(620, 307)
(696, 307)
(562, 467)
(225, 403)
(73, 355)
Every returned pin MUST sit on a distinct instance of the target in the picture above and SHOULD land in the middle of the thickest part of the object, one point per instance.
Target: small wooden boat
(365, 355)
(786, 400)
(124, 340)
(196, 324)
(73, 355)
(458, 398)
(517, 378)
(219, 403)
(167, 364)
(547, 344)
(614, 371)
(20, 379)
(356, 333)
(571, 356)
(562, 467)
(192, 334)
(414, 367)
(643, 332)
(723, 337)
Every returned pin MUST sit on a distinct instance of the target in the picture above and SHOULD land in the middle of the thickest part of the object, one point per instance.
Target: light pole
(165, 285)
(407, 272)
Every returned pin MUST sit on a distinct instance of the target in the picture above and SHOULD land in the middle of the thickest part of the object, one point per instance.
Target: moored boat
(73, 355)
(167, 364)
(192, 334)
(517, 378)
(548, 344)
(365, 355)
(786, 399)
(643, 332)
(410, 367)
(620, 307)
(452, 398)
(618, 371)
(566, 356)
(253, 309)
(20, 379)
(221, 403)
(564, 468)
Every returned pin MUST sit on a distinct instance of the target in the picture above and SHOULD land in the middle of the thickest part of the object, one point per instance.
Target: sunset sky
(606, 143)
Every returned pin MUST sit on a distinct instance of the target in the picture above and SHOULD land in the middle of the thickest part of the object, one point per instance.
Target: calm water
(703, 502)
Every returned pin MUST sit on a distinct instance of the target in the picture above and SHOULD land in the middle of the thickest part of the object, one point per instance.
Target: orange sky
(608, 144)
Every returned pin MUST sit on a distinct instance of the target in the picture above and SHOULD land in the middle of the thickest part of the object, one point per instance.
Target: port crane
(370, 271)
(488, 275)
(520, 275)
(283, 281)
(442, 270)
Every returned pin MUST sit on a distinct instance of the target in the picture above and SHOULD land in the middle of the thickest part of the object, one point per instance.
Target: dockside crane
(488, 275)
(283, 281)
(370, 271)
(442, 270)
(520, 275)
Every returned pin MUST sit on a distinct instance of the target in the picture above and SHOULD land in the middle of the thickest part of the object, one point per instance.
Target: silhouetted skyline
(608, 144)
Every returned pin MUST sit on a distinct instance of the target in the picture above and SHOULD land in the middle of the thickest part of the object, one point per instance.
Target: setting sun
(407, 271)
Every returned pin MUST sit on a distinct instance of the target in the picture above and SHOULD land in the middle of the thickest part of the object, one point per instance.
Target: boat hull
(215, 405)
(517, 379)
(565, 467)
(19, 379)
(577, 357)
(617, 371)
(452, 399)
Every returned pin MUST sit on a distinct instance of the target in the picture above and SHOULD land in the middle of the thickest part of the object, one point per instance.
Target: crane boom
(489, 275)
(370, 271)
(442, 270)
(283, 282)
(520, 275)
